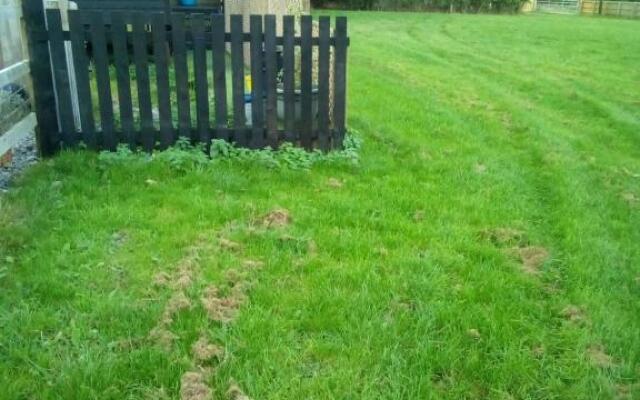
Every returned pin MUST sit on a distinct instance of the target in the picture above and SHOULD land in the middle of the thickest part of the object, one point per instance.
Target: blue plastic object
(189, 3)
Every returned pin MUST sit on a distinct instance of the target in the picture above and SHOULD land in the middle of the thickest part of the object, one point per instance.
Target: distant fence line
(624, 9)
(558, 6)
(627, 9)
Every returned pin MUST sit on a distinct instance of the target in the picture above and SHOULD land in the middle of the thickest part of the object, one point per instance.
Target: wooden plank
(140, 57)
(218, 55)
(246, 37)
(101, 60)
(61, 75)
(181, 75)
(257, 104)
(237, 76)
(306, 83)
(161, 60)
(47, 135)
(288, 77)
(340, 81)
(83, 86)
(323, 83)
(121, 61)
(202, 86)
(272, 80)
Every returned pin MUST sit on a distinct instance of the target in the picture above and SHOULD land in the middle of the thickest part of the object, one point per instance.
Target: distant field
(486, 247)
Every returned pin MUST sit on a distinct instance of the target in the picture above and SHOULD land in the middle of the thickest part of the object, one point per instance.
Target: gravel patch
(24, 155)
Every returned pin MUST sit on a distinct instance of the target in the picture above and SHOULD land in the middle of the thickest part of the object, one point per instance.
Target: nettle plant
(185, 156)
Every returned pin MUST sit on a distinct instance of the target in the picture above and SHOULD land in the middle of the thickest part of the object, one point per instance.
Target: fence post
(47, 132)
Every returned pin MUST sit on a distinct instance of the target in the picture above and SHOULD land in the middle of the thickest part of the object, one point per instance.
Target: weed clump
(184, 156)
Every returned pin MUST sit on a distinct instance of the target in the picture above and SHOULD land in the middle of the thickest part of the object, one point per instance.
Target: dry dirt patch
(252, 264)
(480, 168)
(627, 391)
(221, 309)
(162, 337)
(598, 357)
(538, 350)
(277, 218)
(335, 183)
(630, 198)
(193, 387)
(234, 276)
(204, 351)
(227, 244)
(573, 313)
(235, 393)
(532, 258)
(474, 333)
(178, 302)
(516, 244)
(505, 236)
(161, 279)
(184, 276)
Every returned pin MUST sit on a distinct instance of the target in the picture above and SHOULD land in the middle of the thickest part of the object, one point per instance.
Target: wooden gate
(146, 78)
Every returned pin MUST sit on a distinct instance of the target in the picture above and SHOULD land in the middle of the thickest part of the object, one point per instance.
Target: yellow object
(247, 83)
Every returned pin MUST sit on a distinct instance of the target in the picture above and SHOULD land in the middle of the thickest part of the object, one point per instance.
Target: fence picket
(140, 55)
(288, 72)
(202, 86)
(181, 70)
(306, 82)
(272, 80)
(101, 60)
(257, 104)
(121, 61)
(40, 66)
(81, 67)
(237, 76)
(218, 55)
(161, 60)
(340, 80)
(59, 61)
(324, 57)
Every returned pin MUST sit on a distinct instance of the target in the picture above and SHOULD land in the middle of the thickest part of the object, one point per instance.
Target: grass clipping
(193, 386)
(532, 258)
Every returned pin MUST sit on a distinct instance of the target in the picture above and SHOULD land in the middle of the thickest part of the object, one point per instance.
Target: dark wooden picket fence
(177, 74)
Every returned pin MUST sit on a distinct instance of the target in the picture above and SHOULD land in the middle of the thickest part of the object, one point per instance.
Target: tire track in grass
(547, 189)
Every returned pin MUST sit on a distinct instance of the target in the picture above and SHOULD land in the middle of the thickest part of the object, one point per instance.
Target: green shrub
(184, 156)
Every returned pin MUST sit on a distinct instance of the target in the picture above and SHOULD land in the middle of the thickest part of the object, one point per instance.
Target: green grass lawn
(486, 247)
